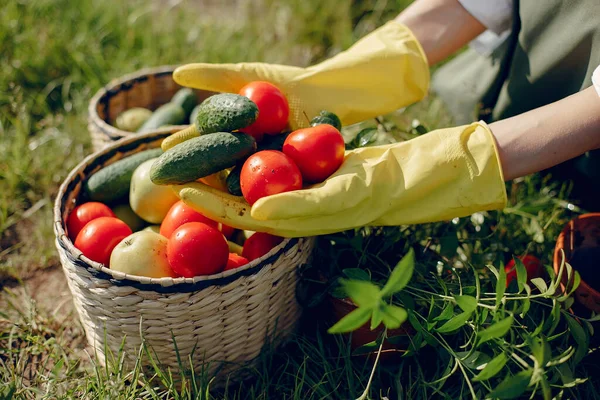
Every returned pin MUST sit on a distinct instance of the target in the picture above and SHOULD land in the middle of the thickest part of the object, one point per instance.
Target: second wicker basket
(148, 88)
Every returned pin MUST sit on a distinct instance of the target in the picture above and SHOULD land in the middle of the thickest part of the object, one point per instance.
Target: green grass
(57, 53)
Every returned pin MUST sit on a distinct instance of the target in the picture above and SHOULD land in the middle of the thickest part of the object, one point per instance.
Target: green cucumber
(233, 181)
(167, 114)
(201, 156)
(186, 98)
(111, 183)
(327, 117)
(225, 112)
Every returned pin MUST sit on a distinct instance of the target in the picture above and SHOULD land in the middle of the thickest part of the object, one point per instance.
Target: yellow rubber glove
(443, 174)
(382, 72)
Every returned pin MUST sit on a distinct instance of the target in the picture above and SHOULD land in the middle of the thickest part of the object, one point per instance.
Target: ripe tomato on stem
(268, 172)
(84, 213)
(179, 214)
(100, 236)
(273, 109)
(533, 266)
(259, 244)
(197, 249)
(318, 151)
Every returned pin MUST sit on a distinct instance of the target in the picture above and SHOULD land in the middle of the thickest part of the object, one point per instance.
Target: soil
(45, 296)
(586, 261)
(48, 288)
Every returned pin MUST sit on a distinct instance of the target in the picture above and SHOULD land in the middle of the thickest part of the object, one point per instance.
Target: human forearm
(441, 26)
(548, 135)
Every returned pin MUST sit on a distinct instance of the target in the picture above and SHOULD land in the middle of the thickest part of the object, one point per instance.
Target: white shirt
(496, 15)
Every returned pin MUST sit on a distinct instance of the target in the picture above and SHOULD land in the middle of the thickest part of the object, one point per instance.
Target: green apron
(551, 53)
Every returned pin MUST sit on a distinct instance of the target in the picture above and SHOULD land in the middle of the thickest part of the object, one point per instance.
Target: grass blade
(521, 273)
(500, 286)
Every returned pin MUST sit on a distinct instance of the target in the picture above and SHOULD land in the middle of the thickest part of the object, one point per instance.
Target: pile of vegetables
(239, 141)
(178, 111)
(132, 221)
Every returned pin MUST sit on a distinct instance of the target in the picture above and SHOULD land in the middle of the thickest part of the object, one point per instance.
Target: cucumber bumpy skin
(219, 113)
(225, 112)
(200, 157)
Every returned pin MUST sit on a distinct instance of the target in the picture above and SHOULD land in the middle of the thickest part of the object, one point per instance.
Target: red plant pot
(580, 241)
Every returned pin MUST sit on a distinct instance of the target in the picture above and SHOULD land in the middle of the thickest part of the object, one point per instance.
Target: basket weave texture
(148, 88)
(221, 321)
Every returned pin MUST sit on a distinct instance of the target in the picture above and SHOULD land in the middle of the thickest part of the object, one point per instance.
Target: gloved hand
(440, 175)
(382, 72)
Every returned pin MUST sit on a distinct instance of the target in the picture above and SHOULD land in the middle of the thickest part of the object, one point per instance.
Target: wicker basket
(222, 321)
(148, 88)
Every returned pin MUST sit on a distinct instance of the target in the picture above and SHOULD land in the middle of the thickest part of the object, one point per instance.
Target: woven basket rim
(110, 130)
(119, 278)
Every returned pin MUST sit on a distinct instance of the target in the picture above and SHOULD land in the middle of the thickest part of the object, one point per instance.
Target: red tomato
(318, 151)
(259, 244)
(533, 266)
(226, 230)
(273, 109)
(179, 214)
(268, 172)
(100, 236)
(197, 249)
(235, 261)
(84, 213)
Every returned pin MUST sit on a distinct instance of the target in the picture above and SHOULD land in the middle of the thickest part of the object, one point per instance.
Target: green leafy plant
(501, 343)
(373, 303)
